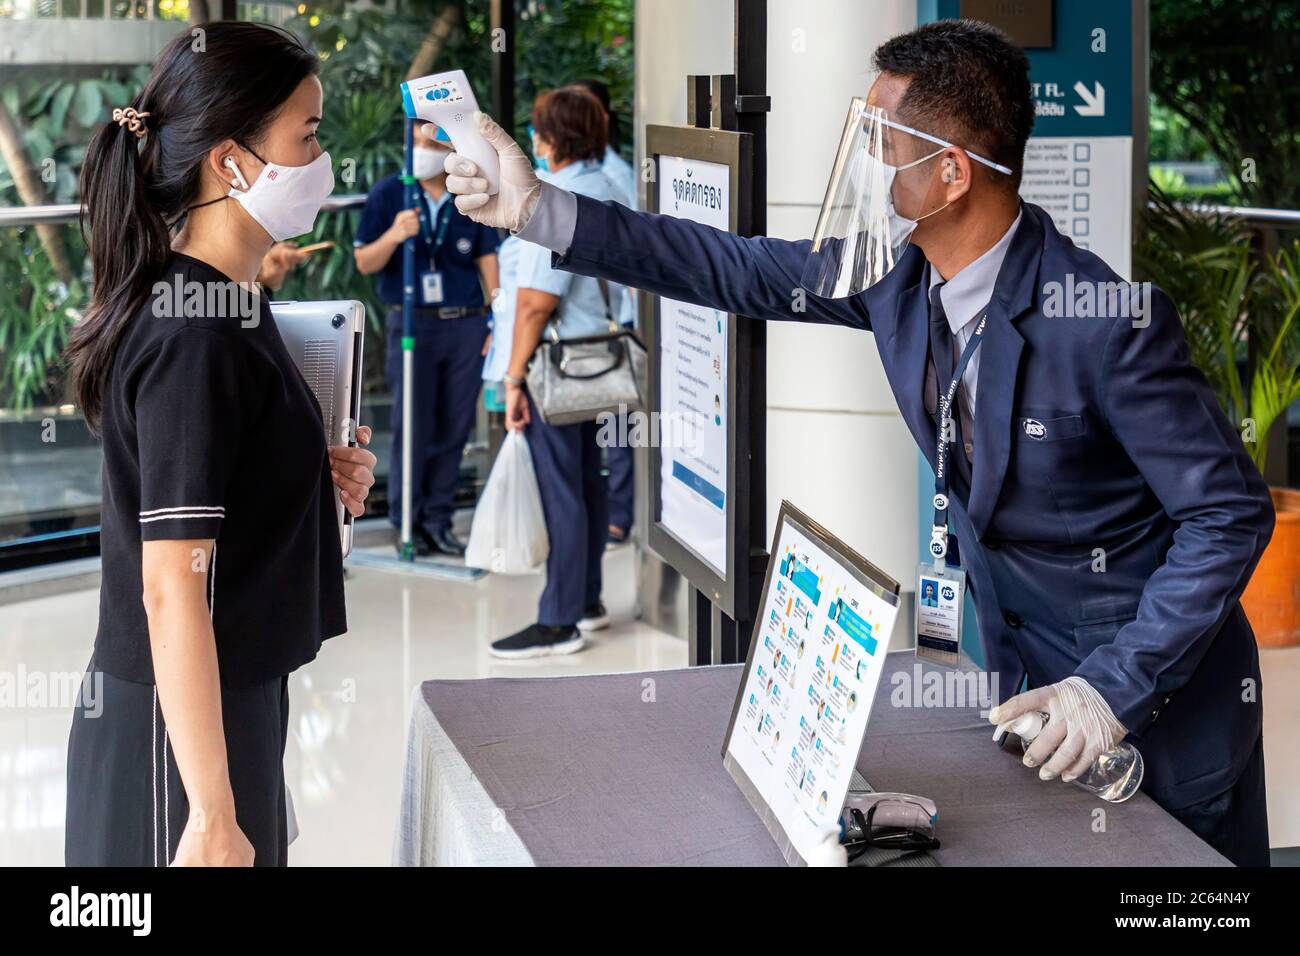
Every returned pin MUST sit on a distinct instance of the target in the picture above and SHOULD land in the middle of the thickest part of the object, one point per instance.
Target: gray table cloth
(626, 769)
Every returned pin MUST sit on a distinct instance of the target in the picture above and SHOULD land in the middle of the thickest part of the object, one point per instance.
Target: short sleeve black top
(210, 431)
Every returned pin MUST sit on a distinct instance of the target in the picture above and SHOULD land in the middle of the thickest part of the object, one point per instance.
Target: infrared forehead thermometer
(447, 100)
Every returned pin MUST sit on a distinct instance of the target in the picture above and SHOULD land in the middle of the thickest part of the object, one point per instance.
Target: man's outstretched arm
(758, 277)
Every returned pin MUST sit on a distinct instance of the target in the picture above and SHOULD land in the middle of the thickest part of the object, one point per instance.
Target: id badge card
(431, 288)
(940, 598)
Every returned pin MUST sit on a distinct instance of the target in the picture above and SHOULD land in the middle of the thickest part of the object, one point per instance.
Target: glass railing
(272, 11)
(49, 462)
(68, 67)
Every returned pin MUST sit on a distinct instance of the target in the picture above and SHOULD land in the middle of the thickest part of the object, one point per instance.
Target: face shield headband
(861, 232)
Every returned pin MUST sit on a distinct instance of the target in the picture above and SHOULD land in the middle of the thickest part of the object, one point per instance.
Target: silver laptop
(325, 341)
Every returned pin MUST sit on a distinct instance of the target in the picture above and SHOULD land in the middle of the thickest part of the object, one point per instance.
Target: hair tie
(132, 120)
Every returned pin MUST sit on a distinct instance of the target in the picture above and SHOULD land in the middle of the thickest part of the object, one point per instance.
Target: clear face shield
(886, 179)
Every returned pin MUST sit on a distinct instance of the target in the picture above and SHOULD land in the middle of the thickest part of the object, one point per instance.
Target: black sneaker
(594, 618)
(537, 640)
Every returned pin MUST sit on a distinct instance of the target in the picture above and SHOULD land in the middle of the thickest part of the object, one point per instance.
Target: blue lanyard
(939, 532)
(444, 223)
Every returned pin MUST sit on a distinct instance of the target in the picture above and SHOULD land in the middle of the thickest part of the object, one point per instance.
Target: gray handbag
(577, 380)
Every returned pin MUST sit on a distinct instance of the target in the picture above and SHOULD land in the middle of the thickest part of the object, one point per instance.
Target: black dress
(209, 432)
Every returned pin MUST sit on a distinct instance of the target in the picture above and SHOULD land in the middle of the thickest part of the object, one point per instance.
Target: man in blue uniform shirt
(455, 262)
(1076, 444)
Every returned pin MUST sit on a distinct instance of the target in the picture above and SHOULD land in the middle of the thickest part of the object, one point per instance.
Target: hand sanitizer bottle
(1114, 776)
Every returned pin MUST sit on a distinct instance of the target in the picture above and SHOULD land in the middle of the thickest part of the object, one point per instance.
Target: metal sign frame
(728, 590)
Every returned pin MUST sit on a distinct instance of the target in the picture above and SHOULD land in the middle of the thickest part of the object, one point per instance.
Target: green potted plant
(1234, 301)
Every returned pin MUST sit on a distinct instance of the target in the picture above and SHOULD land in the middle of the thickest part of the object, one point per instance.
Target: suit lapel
(911, 346)
(999, 369)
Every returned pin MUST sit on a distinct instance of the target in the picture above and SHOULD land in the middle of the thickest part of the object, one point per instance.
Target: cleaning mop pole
(408, 341)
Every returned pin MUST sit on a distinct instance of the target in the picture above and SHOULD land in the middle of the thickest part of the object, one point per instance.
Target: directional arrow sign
(1094, 103)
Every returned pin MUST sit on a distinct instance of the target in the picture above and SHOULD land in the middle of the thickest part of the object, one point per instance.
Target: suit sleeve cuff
(553, 222)
(1135, 710)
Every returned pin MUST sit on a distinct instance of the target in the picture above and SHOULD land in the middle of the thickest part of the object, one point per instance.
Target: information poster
(693, 378)
(815, 662)
(1079, 162)
(1075, 180)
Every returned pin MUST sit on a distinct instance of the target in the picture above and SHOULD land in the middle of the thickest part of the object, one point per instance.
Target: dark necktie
(940, 341)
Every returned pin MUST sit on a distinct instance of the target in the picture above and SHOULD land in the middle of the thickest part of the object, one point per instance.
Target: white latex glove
(519, 189)
(1081, 727)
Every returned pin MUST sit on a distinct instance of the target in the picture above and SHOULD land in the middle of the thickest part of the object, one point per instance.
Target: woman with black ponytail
(222, 570)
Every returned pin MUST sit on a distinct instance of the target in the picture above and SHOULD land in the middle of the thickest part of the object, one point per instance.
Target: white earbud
(240, 181)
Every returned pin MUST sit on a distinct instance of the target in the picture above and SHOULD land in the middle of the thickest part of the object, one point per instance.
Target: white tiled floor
(349, 707)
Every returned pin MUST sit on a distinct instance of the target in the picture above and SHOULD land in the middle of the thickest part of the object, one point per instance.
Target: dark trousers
(622, 485)
(448, 377)
(1236, 821)
(126, 805)
(621, 461)
(575, 500)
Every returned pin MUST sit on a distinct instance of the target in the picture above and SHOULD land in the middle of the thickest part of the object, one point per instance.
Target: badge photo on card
(431, 288)
(940, 598)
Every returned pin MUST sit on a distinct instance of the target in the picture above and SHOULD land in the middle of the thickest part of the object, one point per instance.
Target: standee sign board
(698, 497)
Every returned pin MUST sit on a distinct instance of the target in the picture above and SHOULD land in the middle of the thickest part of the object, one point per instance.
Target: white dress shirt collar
(966, 293)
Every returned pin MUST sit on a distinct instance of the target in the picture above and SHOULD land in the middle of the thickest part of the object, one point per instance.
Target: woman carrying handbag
(570, 132)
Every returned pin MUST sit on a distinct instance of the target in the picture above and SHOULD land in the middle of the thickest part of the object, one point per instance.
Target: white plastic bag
(508, 535)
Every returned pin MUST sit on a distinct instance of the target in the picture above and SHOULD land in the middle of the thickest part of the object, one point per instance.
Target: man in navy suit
(1107, 514)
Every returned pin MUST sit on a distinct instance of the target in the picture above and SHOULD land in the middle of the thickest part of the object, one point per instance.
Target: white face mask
(284, 200)
(427, 162)
(900, 227)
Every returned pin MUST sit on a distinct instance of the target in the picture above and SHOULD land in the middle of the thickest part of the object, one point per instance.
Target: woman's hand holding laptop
(353, 471)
